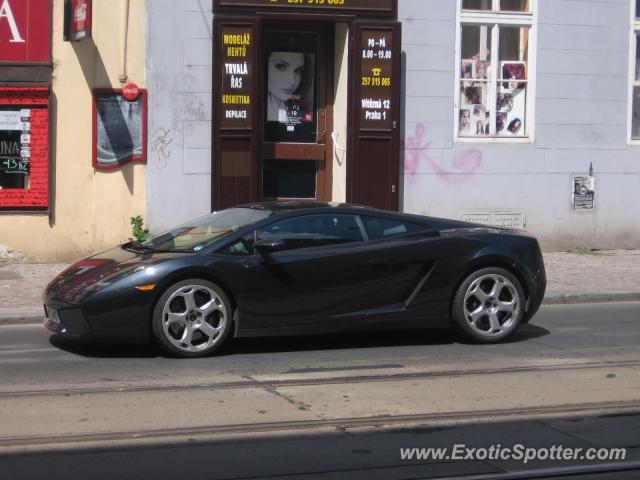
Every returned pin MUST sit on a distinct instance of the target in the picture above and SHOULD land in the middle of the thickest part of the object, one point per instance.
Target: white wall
(179, 69)
(580, 119)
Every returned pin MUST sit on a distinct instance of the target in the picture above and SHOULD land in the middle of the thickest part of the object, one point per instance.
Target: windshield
(198, 233)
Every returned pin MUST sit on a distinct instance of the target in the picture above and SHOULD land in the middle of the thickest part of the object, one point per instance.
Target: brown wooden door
(296, 111)
(374, 120)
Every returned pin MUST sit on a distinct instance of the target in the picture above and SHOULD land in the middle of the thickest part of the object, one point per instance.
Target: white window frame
(635, 30)
(498, 19)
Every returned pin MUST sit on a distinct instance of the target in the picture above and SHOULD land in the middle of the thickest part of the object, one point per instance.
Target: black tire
(491, 321)
(180, 314)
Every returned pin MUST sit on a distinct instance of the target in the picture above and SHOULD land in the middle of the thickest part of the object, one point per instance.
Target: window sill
(500, 140)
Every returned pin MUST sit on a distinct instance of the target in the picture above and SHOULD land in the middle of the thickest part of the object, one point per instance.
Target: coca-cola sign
(77, 25)
(131, 92)
(25, 31)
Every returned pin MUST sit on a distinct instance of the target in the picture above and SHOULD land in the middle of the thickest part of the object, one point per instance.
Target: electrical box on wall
(497, 218)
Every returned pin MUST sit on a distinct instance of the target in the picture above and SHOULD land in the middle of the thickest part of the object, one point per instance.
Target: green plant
(139, 232)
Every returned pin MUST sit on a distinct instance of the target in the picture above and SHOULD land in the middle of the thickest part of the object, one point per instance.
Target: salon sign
(25, 31)
(237, 98)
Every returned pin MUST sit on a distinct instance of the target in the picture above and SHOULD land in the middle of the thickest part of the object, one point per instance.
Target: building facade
(514, 112)
(521, 113)
(54, 204)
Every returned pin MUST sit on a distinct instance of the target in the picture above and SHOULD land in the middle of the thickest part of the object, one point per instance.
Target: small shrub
(139, 232)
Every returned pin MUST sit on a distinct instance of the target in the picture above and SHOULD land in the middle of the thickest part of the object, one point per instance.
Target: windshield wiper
(136, 246)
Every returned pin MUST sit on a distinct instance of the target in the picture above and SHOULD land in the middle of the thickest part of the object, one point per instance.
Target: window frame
(496, 19)
(634, 32)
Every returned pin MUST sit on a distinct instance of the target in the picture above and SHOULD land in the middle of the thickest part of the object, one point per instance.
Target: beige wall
(91, 208)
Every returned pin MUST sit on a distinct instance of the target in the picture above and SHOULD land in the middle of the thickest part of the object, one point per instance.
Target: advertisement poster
(120, 129)
(514, 71)
(510, 119)
(474, 115)
(584, 188)
(80, 21)
(15, 148)
(290, 87)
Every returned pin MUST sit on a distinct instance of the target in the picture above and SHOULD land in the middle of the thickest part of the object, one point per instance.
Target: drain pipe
(125, 38)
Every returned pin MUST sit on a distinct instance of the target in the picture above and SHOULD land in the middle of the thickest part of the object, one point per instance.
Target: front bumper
(121, 316)
(69, 322)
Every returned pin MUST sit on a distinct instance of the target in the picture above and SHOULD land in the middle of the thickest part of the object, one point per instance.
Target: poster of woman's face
(511, 106)
(474, 121)
(505, 102)
(474, 95)
(466, 71)
(513, 71)
(464, 126)
(290, 105)
(480, 69)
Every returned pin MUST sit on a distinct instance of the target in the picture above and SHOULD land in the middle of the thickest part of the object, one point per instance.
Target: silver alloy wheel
(193, 318)
(491, 304)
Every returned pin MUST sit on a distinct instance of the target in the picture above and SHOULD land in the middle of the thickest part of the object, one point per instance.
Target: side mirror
(266, 247)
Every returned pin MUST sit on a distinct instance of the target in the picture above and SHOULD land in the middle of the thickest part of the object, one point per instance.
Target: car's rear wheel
(192, 318)
(488, 306)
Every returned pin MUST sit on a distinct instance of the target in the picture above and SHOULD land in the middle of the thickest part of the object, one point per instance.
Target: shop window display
(494, 70)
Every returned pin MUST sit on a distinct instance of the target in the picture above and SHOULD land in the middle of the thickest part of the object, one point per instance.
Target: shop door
(374, 160)
(296, 118)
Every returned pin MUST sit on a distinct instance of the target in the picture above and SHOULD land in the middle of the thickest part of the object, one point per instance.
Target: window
(382, 227)
(495, 69)
(24, 148)
(635, 73)
(312, 231)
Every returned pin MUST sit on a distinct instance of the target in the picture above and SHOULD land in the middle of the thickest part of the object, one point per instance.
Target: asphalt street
(354, 400)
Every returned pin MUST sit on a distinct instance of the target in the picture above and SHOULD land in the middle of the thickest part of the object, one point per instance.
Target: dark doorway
(296, 68)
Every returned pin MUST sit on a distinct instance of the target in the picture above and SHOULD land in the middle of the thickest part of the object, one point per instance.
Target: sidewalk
(572, 278)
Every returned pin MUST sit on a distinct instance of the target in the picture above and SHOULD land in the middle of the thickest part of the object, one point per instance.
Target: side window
(313, 231)
(383, 227)
(240, 247)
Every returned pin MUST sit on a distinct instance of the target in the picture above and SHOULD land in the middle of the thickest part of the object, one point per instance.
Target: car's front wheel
(192, 318)
(488, 306)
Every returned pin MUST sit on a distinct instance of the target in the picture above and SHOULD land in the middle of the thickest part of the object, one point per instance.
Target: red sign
(131, 92)
(80, 19)
(25, 31)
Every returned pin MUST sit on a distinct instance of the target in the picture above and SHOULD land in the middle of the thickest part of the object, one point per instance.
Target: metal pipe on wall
(125, 38)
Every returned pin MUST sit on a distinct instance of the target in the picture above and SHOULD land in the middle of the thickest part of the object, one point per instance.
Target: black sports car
(298, 267)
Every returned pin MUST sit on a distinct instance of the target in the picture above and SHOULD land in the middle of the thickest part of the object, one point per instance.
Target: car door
(321, 277)
(404, 253)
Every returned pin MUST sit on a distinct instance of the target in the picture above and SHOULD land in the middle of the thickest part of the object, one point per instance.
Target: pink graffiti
(465, 163)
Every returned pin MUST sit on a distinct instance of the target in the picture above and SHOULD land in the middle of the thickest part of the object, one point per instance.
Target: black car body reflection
(277, 268)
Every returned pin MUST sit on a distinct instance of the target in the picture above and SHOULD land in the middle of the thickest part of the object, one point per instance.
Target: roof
(288, 205)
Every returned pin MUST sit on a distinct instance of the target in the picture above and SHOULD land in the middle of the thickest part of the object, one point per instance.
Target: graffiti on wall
(160, 146)
(465, 164)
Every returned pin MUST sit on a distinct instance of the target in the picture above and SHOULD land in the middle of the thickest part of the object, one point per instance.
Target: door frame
(321, 152)
(246, 142)
(357, 133)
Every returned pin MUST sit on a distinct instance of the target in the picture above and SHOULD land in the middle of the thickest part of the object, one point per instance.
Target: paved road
(29, 356)
(570, 355)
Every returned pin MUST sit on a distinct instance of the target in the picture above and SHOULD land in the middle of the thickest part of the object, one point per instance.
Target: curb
(28, 317)
(34, 317)
(569, 299)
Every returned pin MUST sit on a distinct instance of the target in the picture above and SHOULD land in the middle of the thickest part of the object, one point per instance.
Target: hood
(93, 273)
